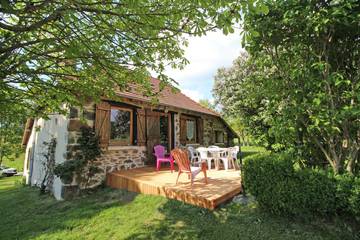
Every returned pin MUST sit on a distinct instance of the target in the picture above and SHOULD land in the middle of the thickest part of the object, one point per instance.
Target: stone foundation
(117, 158)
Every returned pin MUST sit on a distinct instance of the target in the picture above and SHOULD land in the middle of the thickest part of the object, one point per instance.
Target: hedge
(284, 190)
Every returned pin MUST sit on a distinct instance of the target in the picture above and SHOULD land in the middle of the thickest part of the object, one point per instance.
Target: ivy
(48, 165)
(81, 165)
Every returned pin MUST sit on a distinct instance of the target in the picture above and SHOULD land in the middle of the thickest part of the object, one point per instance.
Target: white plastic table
(215, 153)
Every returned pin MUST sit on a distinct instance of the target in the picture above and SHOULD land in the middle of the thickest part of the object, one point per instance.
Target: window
(164, 131)
(188, 130)
(219, 136)
(121, 123)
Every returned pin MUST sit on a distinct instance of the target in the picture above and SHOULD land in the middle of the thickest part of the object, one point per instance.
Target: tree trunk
(351, 164)
(333, 163)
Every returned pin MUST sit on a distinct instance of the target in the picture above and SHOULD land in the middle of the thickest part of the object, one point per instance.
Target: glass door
(165, 129)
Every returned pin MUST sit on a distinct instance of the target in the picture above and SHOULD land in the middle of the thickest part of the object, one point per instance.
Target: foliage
(12, 121)
(81, 165)
(300, 87)
(281, 188)
(48, 164)
(208, 104)
(239, 92)
(117, 214)
(238, 126)
(17, 163)
(355, 198)
(51, 49)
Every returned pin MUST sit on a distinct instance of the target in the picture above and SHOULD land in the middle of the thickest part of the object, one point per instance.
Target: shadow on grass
(182, 221)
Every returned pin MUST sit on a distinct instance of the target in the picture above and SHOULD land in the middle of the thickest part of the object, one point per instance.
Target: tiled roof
(167, 97)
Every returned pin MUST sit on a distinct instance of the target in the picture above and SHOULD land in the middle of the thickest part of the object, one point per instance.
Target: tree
(237, 124)
(238, 92)
(206, 103)
(312, 93)
(11, 129)
(55, 52)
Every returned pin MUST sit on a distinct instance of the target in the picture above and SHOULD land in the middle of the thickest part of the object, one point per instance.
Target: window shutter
(200, 130)
(141, 130)
(102, 123)
(182, 131)
(153, 133)
(153, 125)
(27, 132)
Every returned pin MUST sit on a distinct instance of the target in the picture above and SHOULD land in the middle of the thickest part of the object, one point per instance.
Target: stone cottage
(129, 127)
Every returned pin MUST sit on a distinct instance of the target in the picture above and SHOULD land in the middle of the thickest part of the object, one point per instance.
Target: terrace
(222, 185)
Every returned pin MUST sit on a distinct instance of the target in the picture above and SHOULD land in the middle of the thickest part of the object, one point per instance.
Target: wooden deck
(222, 185)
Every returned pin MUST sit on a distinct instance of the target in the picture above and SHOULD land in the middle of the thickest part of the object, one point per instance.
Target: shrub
(355, 199)
(317, 192)
(284, 190)
(344, 186)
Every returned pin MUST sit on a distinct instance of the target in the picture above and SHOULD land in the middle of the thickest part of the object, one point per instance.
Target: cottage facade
(129, 127)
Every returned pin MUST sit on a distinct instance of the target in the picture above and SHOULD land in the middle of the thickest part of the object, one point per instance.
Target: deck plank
(222, 185)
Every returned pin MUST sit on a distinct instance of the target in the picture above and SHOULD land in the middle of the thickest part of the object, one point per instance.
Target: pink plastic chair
(159, 152)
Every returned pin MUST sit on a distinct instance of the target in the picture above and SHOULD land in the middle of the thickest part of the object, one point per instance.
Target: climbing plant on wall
(80, 166)
(48, 165)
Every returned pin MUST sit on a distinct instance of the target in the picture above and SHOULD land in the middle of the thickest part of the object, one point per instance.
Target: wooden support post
(241, 167)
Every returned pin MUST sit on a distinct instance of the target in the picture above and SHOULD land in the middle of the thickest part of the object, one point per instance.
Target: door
(158, 132)
(165, 131)
(153, 134)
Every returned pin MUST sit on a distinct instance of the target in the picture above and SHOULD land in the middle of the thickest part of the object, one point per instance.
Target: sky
(206, 54)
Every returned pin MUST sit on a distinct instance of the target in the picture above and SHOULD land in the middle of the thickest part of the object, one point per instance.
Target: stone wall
(177, 130)
(114, 158)
(212, 124)
(118, 158)
(77, 119)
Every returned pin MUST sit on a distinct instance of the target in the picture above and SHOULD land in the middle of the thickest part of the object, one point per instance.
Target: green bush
(284, 190)
(81, 164)
(344, 186)
(355, 199)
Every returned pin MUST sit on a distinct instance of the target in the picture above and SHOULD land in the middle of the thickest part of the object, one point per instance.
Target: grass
(117, 214)
(17, 163)
(250, 150)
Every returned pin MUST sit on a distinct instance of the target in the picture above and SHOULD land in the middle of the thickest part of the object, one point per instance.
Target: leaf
(262, 9)
(317, 101)
(254, 33)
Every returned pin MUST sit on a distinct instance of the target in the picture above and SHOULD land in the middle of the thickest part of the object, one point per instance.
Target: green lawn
(250, 150)
(116, 214)
(17, 163)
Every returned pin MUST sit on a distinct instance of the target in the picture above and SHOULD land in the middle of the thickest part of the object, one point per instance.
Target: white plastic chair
(204, 156)
(194, 156)
(213, 146)
(225, 157)
(235, 151)
(215, 154)
(230, 157)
